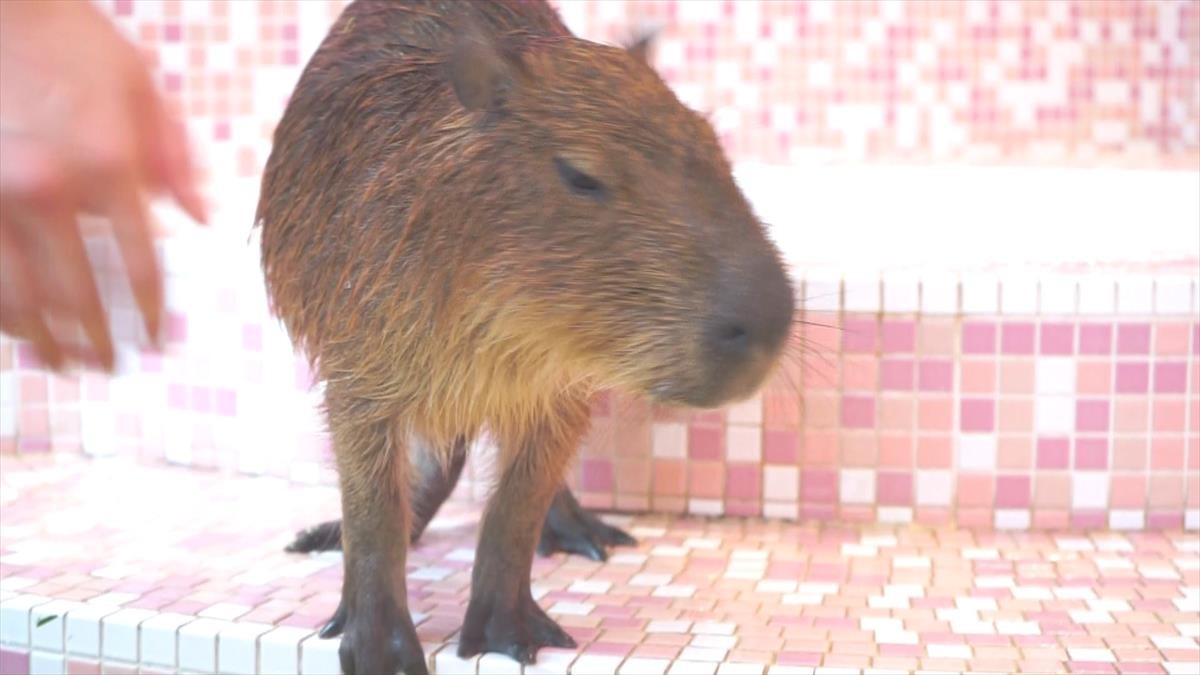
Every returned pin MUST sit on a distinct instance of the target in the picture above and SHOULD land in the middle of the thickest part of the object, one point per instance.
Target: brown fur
(422, 249)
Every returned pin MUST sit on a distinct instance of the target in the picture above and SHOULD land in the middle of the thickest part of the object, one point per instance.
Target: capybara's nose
(753, 311)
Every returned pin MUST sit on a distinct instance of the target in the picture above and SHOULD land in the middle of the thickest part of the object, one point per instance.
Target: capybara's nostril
(731, 339)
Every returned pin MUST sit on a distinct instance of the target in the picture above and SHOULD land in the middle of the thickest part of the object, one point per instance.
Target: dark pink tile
(1091, 415)
(895, 488)
(896, 374)
(608, 649)
(858, 412)
(1017, 338)
(14, 662)
(899, 337)
(597, 475)
(979, 338)
(780, 447)
(705, 443)
(1089, 519)
(1133, 378)
(1057, 339)
(978, 414)
(1164, 520)
(1170, 377)
(743, 481)
(1053, 453)
(818, 485)
(1012, 492)
(741, 508)
(935, 375)
(1095, 339)
(1133, 338)
(1091, 453)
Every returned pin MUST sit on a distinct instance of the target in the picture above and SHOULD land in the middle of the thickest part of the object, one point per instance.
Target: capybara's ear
(482, 71)
(639, 48)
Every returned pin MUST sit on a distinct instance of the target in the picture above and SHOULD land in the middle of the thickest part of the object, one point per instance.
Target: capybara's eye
(579, 182)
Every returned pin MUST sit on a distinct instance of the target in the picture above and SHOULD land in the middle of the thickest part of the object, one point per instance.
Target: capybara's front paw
(378, 642)
(518, 632)
(570, 528)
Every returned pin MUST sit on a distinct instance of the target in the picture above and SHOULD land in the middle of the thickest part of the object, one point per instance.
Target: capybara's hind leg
(435, 479)
(326, 536)
(570, 528)
(377, 630)
(502, 615)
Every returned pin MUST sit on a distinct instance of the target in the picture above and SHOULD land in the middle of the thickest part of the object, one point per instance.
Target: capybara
(472, 219)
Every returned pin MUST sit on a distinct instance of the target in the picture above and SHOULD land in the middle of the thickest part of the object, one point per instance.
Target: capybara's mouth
(723, 384)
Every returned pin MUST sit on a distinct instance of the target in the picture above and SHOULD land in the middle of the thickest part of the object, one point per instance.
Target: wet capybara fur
(472, 219)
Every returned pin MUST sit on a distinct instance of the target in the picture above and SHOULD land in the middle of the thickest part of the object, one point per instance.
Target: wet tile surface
(115, 562)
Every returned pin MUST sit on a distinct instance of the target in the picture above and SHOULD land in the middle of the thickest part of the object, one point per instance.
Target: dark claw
(377, 641)
(518, 634)
(335, 625)
(570, 528)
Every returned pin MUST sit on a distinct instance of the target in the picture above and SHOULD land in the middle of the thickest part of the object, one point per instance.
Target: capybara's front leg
(378, 636)
(502, 615)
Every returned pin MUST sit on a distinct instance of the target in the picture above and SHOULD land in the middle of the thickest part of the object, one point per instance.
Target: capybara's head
(633, 245)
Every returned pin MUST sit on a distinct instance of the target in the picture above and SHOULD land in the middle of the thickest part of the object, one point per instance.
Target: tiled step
(128, 568)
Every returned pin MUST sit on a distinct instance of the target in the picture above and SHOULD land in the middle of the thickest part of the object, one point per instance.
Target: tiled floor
(163, 569)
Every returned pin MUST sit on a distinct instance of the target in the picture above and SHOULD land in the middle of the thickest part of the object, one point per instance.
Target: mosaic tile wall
(1050, 80)
(1046, 419)
(899, 410)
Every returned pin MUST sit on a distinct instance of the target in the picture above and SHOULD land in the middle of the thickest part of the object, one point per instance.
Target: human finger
(132, 231)
(20, 315)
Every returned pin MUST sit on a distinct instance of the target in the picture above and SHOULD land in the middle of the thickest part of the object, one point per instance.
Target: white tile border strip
(1006, 294)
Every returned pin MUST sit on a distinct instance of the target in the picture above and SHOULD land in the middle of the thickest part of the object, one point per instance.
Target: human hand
(82, 130)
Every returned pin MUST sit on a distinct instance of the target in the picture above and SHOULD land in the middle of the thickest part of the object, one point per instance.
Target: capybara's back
(472, 218)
